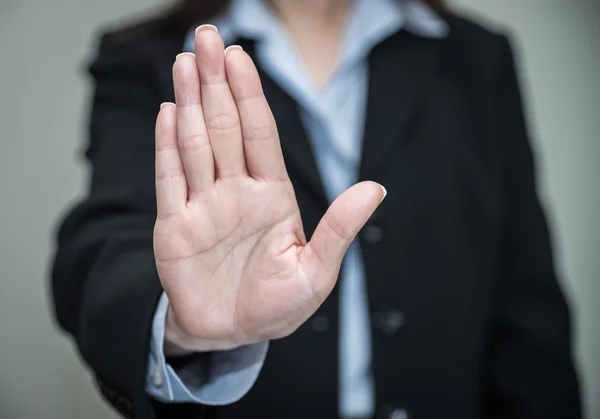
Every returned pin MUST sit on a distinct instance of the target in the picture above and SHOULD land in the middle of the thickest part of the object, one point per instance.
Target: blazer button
(320, 324)
(388, 322)
(392, 412)
(372, 233)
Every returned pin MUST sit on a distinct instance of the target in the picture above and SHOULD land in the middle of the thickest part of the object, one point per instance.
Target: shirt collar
(253, 19)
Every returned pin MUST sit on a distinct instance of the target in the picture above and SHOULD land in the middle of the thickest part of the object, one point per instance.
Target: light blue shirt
(334, 119)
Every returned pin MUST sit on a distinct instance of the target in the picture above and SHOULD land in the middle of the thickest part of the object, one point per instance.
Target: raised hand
(229, 245)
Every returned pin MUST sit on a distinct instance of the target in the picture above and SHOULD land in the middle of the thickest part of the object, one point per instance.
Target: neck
(316, 27)
(318, 12)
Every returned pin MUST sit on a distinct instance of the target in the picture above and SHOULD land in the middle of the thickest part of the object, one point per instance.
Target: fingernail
(384, 193)
(230, 47)
(209, 27)
(184, 53)
(162, 105)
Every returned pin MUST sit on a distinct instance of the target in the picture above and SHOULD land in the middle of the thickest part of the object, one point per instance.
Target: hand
(229, 245)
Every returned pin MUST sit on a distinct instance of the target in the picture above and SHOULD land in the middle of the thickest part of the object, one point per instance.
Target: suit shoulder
(476, 45)
(145, 39)
(136, 56)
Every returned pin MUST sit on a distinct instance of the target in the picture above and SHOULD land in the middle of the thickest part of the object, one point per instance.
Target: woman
(192, 260)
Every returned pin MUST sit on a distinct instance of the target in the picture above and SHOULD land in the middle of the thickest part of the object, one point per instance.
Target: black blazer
(468, 318)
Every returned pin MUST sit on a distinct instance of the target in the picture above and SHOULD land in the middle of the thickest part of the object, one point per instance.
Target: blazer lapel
(399, 71)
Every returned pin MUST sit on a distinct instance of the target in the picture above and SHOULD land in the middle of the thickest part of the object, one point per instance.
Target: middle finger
(220, 111)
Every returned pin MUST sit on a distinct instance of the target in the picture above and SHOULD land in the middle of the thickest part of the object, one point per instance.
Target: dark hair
(179, 19)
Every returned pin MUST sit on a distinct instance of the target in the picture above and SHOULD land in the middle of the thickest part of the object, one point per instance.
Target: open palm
(229, 245)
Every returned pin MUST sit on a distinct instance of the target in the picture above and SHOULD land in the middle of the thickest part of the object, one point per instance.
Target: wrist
(178, 343)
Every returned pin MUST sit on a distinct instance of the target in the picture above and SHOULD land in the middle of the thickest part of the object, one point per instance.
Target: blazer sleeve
(531, 372)
(104, 282)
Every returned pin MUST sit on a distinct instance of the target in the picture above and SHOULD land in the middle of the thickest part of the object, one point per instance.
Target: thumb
(323, 255)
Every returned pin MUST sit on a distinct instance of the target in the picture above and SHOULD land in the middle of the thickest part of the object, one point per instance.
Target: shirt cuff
(215, 378)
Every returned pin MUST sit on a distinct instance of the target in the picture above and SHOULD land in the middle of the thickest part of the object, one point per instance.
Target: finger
(323, 255)
(171, 186)
(192, 137)
(220, 113)
(262, 149)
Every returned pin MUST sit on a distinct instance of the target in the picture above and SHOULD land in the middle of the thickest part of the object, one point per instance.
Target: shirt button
(372, 233)
(388, 322)
(399, 414)
(320, 324)
(157, 376)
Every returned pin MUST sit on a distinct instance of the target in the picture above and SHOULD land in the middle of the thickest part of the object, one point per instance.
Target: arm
(222, 233)
(531, 372)
(105, 285)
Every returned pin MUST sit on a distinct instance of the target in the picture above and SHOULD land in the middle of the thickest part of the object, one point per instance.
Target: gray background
(43, 104)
